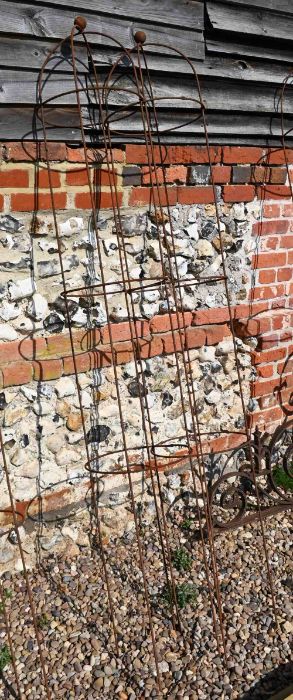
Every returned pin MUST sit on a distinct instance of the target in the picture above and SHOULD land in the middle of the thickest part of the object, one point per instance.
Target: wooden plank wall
(241, 49)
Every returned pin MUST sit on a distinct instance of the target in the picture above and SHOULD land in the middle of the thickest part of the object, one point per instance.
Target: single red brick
(268, 355)
(287, 210)
(173, 154)
(14, 178)
(43, 181)
(238, 193)
(123, 353)
(277, 157)
(17, 373)
(26, 151)
(271, 243)
(160, 196)
(77, 155)
(221, 174)
(265, 371)
(58, 345)
(1, 202)
(195, 337)
(150, 347)
(252, 326)
(103, 200)
(270, 340)
(242, 154)
(216, 333)
(290, 257)
(271, 211)
(285, 274)
(265, 418)
(173, 174)
(263, 228)
(40, 200)
(166, 322)
(273, 192)
(124, 331)
(261, 388)
(266, 276)
(84, 363)
(268, 260)
(44, 370)
(259, 174)
(278, 176)
(195, 195)
(78, 177)
(286, 242)
(206, 316)
(269, 292)
(87, 340)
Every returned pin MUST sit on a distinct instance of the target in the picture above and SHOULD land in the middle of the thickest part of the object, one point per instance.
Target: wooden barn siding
(246, 55)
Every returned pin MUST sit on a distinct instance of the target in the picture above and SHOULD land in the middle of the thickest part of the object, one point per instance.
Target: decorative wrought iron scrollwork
(256, 478)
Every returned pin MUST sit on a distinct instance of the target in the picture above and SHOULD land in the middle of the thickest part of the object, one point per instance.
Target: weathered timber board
(16, 123)
(276, 5)
(181, 13)
(42, 21)
(31, 53)
(273, 53)
(254, 22)
(218, 94)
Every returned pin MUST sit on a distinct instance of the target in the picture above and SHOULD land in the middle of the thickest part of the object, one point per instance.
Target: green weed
(182, 559)
(5, 657)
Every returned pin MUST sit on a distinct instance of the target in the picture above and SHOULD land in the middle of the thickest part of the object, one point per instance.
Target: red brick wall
(241, 175)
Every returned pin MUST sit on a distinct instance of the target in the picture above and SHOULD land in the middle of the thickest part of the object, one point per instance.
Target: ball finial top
(80, 23)
(139, 37)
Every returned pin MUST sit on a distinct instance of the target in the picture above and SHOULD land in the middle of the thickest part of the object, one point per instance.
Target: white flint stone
(7, 332)
(26, 325)
(192, 215)
(192, 231)
(70, 226)
(42, 408)
(204, 249)
(55, 442)
(207, 353)
(225, 347)
(149, 310)
(65, 387)
(67, 455)
(37, 307)
(30, 394)
(19, 457)
(214, 397)
(151, 295)
(79, 319)
(21, 289)
(9, 311)
(110, 246)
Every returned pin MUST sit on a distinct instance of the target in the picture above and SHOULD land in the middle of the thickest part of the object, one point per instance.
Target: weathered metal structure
(97, 103)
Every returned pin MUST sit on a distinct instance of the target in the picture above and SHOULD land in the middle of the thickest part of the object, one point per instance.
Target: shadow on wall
(273, 686)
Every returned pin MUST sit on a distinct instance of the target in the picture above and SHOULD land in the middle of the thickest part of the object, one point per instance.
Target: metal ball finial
(80, 23)
(140, 37)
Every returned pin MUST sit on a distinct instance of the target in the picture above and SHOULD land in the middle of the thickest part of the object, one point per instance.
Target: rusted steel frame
(269, 570)
(148, 135)
(188, 378)
(141, 557)
(167, 559)
(268, 567)
(76, 291)
(168, 305)
(92, 481)
(9, 638)
(25, 571)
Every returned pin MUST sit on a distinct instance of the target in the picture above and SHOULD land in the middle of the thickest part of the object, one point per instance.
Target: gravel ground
(73, 618)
